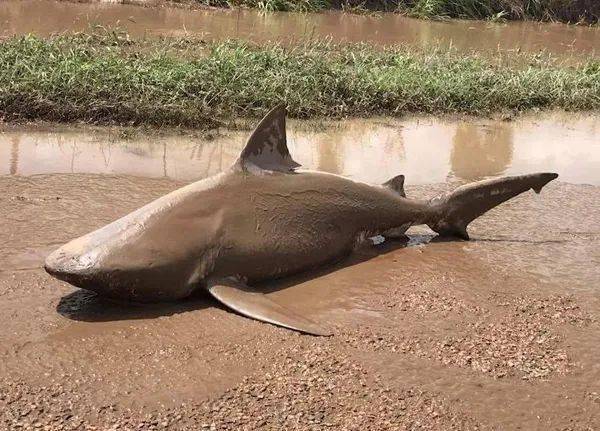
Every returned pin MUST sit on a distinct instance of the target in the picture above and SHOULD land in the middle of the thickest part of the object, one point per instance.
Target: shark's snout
(84, 269)
(73, 268)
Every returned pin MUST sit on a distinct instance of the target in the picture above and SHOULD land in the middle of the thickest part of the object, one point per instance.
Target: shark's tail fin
(452, 213)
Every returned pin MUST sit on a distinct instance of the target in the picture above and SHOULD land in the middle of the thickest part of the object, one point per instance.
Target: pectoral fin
(239, 297)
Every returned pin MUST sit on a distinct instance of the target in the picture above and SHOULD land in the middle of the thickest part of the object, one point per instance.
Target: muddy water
(497, 333)
(45, 17)
(427, 150)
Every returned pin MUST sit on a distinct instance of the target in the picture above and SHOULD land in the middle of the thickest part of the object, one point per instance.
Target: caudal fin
(452, 213)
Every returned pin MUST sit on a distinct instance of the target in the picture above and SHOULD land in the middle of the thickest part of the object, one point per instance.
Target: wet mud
(571, 43)
(497, 333)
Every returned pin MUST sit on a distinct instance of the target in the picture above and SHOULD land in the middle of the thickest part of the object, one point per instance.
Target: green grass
(573, 11)
(273, 5)
(108, 79)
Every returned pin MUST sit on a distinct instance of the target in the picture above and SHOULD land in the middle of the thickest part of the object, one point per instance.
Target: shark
(263, 218)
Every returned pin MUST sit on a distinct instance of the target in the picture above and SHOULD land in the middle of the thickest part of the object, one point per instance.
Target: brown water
(501, 331)
(427, 150)
(44, 17)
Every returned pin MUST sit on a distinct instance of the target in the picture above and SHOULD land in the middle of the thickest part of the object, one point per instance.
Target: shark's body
(259, 220)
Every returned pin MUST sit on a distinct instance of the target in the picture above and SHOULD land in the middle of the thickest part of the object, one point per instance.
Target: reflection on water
(14, 154)
(426, 150)
(481, 151)
(44, 17)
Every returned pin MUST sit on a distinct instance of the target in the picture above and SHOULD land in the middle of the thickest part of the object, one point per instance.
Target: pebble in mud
(313, 388)
(521, 342)
(551, 309)
(524, 349)
(429, 301)
(310, 388)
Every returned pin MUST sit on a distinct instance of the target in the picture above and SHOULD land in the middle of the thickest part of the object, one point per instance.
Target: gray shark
(261, 219)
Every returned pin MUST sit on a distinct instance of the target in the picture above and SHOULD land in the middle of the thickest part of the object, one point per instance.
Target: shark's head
(121, 264)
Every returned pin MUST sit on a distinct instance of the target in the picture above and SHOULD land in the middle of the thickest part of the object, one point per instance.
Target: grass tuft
(273, 5)
(573, 11)
(112, 79)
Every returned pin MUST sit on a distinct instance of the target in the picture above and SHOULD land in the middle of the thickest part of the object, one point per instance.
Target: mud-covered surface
(497, 333)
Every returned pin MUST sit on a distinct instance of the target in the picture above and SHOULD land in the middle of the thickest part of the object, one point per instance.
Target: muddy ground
(498, 333)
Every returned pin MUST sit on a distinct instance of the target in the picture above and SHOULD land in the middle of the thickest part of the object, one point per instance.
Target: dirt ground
(501, 332)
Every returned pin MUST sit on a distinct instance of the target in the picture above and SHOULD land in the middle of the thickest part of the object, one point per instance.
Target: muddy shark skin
(261, 219)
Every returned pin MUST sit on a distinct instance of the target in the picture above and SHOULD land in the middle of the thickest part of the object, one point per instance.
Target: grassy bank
(112, 80)
(573, 11)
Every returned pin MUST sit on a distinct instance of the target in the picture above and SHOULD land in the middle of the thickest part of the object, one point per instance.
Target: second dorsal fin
(267, 147)
(396, 184)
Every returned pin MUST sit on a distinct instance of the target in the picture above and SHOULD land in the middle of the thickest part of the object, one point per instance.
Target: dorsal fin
(267, 147)
(396, 184)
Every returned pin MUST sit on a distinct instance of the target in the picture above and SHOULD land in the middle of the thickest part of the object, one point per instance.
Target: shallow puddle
(427, 150)
(45, 17)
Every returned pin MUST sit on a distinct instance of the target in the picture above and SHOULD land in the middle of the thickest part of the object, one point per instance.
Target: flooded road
(427, 150)
(45, 17)
(497, 333)
(501, 332)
